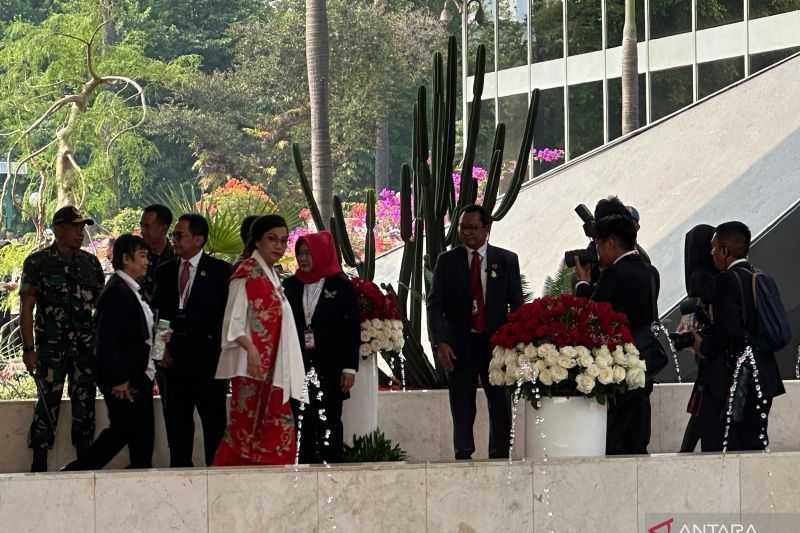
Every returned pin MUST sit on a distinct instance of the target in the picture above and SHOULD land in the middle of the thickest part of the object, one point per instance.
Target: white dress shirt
(193, 262)
(148, 318)
(482, 253)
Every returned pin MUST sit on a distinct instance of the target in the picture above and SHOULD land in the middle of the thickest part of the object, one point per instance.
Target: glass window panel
(615, 19)
(585, 117)
(761, 61)
(671, 90)
(711, 13)
(615, 106)
(547, 30)
(765, 8)
(483, 148)
(716, 75)
(481, 32)
(584, 26)
(512, 29)
(548, 131)
(669, 17)
(513, 110)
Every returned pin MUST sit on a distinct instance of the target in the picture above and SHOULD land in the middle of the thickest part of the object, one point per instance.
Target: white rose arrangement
(381, 335)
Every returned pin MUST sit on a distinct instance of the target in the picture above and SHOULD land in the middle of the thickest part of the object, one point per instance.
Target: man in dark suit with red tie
(191, 292)
(474, 288)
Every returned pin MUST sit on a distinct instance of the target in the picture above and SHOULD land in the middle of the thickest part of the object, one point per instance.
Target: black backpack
(774, 332)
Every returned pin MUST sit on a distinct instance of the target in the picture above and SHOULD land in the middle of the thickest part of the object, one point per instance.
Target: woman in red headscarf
(326, 314)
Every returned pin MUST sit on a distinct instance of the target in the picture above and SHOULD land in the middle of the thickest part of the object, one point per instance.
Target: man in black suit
(474, 287)
(735, 325)
(123, 337)
(631, 286)
(191, 292)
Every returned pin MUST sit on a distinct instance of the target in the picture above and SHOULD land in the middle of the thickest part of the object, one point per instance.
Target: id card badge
(308, 337)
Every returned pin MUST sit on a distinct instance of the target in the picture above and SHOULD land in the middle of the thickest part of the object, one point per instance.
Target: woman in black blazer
(326, 314)
(123, 339)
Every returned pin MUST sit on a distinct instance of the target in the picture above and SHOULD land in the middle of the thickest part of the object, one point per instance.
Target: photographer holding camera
(631, 286)
(736, 324)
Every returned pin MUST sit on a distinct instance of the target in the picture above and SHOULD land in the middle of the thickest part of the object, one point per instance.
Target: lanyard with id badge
(311, 294)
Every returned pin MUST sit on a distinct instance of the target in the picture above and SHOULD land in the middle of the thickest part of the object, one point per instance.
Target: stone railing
(619, 495)
(418, 420)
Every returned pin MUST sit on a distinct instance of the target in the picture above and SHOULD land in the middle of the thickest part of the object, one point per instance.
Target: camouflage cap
(70, 215)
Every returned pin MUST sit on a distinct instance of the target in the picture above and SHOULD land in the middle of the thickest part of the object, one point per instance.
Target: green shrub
(373, 448)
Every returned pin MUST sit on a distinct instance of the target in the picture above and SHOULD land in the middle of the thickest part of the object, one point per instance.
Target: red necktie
(184, 279)
(478, 306)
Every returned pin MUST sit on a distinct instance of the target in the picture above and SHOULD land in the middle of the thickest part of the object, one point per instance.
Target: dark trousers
(56, 368)
(314, 434)
(743, 435)
(183, 395)
(691, 435)
(462, 382)
(130, 424)
(628, 430)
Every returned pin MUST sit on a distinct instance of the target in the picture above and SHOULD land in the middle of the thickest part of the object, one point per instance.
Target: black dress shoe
(39, 460)
(74, 466)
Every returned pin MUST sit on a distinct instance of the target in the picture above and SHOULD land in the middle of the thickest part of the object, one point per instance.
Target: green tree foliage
(241, 122)
(41, 63)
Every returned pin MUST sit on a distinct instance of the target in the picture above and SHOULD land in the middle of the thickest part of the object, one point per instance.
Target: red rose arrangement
(564, 344)
(381, 327)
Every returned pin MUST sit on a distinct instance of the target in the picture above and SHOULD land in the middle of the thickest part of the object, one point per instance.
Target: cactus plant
(428, 200)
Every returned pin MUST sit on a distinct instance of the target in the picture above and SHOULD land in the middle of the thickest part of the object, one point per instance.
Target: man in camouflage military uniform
(63, 282)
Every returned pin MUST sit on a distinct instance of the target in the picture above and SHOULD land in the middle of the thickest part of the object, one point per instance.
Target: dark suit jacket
(727, 337)
(197, 330)
(628, 286)
(121, 335)
(336, 326)
(450, 300)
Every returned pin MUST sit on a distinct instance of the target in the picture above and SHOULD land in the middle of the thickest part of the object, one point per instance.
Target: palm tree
(318, 60)
(630, 71)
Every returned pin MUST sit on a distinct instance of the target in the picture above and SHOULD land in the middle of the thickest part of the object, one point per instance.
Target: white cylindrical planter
(568, 427)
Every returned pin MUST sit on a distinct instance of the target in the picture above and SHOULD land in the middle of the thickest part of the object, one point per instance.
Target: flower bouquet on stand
(381, 331)
(568, 356)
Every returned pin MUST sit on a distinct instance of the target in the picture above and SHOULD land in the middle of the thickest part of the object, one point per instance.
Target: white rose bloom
(638, 363)
(512, 375)
(398, 326)
(539, 365)
(619, 374)
(511, 358)
(497, 377)
(635, 378)
(495, 363)
(604, 361)
(583, 351)
(585, 383)
(568, 351)
(620, 358)
(369, 331)
(365, 350)
(606, 376)
(498, 351)
(601, 352)
(547, 349)
(631, 349)
(546, 377)
(559, 374)
(567, 362)
(593, 370)
(530, 353)
(377, 323)
(365, 336)
(377, 345)
(585, 359)
(551, 359)
(618, 351)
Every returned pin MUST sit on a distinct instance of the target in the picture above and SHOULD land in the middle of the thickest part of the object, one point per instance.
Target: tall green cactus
(427, 195)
